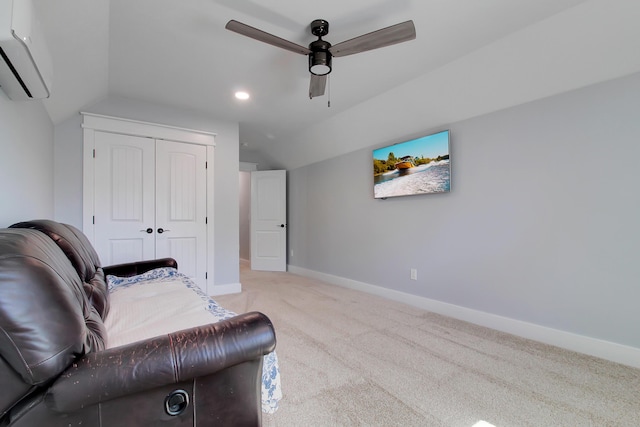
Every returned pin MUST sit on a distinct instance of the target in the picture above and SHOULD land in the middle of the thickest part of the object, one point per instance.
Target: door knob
(283, 225)
(148, 230)
(162, 230)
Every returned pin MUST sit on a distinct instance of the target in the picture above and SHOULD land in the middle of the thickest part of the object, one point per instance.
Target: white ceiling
(470, 57)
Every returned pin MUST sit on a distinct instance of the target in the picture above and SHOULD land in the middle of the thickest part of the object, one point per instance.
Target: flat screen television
(416, 166)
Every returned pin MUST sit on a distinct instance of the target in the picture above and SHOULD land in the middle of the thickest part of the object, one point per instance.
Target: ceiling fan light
(320, 63)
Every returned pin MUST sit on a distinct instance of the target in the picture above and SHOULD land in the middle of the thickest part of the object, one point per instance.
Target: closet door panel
(124, 198)
(181, 210)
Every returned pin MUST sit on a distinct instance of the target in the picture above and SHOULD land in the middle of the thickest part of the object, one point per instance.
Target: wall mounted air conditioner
(25, 62)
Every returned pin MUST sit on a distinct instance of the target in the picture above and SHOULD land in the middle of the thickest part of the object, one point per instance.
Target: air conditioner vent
(25, 62)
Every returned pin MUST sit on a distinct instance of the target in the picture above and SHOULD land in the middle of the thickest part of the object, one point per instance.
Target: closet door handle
(148, 230)
(162, 230)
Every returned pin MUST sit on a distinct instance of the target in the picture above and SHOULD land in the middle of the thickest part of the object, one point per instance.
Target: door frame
(92, 123)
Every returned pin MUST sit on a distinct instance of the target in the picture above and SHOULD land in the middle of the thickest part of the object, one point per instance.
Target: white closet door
(181, 209)
(125, 198)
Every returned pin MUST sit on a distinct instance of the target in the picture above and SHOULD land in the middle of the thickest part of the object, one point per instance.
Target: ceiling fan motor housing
(319, 27)
(320, 57)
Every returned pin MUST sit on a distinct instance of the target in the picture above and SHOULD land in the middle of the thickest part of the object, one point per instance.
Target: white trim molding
(146, 129)
(614, 352)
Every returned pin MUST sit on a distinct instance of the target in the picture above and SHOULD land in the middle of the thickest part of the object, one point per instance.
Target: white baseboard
(614, 352)
(231, 288)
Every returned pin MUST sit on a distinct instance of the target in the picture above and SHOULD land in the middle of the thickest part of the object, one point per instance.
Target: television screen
(417, 166)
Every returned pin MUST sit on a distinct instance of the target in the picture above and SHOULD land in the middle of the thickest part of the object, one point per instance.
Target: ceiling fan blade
(388, 36)
(317, 85)
(254, 33)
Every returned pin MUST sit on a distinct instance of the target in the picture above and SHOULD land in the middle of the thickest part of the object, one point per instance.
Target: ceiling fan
(320, 51)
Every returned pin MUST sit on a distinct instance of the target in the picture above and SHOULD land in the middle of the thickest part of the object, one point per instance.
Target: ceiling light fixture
(320, 58)
(241, 95)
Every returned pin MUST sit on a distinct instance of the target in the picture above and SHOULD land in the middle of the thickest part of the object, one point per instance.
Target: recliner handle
(176, 402)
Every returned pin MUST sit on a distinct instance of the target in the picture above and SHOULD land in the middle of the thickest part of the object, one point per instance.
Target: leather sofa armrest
(167, 359)
(135, 268)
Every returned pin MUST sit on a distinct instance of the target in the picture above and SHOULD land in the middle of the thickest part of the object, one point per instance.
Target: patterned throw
(157, 305)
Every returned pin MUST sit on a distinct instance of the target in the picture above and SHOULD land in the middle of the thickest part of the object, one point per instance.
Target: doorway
(245, 209)
(262, 218)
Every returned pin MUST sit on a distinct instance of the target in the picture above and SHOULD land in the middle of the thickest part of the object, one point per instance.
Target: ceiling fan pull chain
(329, 97)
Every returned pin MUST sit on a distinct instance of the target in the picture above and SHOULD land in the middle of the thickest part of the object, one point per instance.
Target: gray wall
(541, 224)
(68, 170)
(26, 169)
(262, 161)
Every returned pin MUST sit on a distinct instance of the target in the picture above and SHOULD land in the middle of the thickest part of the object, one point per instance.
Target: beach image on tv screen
(417, 166)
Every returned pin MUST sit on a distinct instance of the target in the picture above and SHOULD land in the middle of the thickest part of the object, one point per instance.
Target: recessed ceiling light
(242, 95)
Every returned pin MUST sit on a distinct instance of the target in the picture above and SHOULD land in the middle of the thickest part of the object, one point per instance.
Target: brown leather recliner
(55, 371)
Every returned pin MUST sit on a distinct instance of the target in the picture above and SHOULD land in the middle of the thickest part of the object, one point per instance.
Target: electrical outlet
(414, 274)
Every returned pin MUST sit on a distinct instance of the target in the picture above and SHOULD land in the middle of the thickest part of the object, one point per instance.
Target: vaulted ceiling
(470, 57)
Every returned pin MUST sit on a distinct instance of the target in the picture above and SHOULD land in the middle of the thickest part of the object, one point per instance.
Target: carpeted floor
(352, 359)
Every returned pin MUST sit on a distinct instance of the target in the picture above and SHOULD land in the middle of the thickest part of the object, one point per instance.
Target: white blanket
(155, 303)
(153, 308)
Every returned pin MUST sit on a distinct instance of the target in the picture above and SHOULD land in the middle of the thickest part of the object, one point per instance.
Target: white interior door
(181, 209)
(269, 220)
(124, 210)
